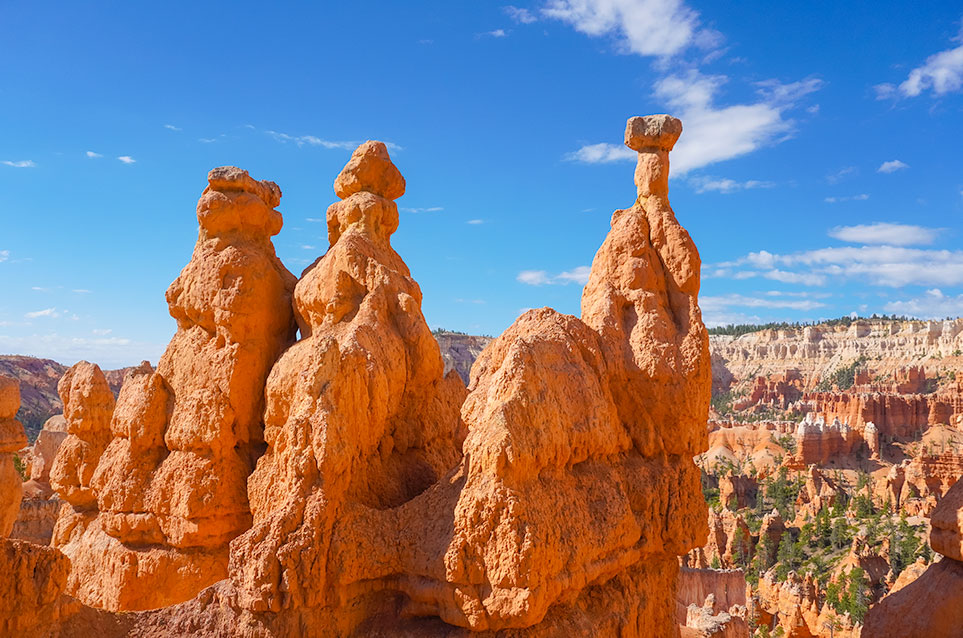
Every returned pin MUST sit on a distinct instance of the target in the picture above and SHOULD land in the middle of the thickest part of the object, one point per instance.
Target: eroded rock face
(577, 463)
(359, 416)
(171, 487)
(553, 497)
(12, 438)
(931, 605)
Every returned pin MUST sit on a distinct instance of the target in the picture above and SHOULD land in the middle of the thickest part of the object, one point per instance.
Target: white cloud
(308, 247)
(497, 33)
(46, 312)
(430, 209)
(578, 275)
(660, 28)
(933, 304)
(102, 331)
(890, 266)
(891, 166)
(93, 155)
(522, 16)
(171, 127)
(704, 184)
(806, 279)
(127, 159)
(533, 277)
(941, 73)
(842, 174)
(4, 255)
(862, 197)
(312, 140)
(602, 153)
(81, 291)
(885, 233)
(19, 163)
(108, 351)
(314, 219)
(721, 302)
(713, 134)
(207, 140)
(475, 222)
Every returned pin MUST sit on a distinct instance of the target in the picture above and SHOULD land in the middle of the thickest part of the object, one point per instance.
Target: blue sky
(820, 171)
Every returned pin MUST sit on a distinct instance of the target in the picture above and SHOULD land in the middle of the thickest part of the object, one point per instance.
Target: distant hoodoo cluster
(341, 483)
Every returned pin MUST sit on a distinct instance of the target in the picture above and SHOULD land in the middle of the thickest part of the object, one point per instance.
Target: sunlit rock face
(158, 485)
(552, 496)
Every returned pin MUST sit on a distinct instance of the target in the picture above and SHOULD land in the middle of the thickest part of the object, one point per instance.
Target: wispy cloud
(712, 133)
(602, 153)
(207, 140)
(891, 166)
(127, 159)
(19, 163)
(497, 33)
(108, 351)
(311, 140)
(659, 28)
(884, 233)
(4, 255)
(842, 174)
(710, 303)
(705, 184)
(884, 265)
(847, 198)
(933, 304)
(171, 127)
(92, 155)
(430, 209)
(941, 73)
(46, 312)
(81, 291)
(314, 220)
(521, 16)
(475, 222)
(578, 275)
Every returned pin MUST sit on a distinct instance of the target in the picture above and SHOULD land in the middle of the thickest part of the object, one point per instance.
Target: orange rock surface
(171, 486)
(558, 498)
(12, 438)
(552, 497)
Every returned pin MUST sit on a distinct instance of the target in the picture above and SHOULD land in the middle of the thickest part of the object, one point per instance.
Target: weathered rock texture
(816, 351)
(12, 438)
(931, 605)
(38, 388)
(171, 486)
(575, 491)
(40, 505)
(553, 497)
(459, 351)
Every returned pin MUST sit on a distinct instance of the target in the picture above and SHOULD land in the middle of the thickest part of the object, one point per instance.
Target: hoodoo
(553, 496)
(170, 490)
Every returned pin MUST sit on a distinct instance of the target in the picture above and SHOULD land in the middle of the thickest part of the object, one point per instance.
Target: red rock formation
(12, 438)
(172, 484)
(576, 492)
(30, 589)
(931, 605)
(821, 443)
(566, 514)
(40, 506)
(726, 586)
(736, 491)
